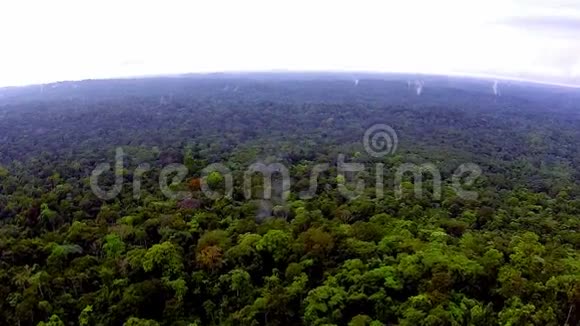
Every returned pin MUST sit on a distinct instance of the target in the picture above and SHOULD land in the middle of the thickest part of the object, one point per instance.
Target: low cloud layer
(60, 39)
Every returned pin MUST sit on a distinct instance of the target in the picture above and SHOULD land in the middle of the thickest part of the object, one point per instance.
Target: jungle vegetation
(511, 256)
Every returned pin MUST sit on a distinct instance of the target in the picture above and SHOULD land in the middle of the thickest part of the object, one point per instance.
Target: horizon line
(480, 76)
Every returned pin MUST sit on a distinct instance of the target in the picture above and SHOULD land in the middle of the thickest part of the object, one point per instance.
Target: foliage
(511, 256)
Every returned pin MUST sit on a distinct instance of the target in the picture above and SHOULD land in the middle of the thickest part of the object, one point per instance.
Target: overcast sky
(44, 41)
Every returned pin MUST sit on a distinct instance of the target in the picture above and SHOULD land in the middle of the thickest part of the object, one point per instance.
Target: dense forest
(508, 256)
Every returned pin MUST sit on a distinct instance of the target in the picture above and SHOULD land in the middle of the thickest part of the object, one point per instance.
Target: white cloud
(56, 40)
